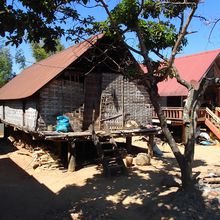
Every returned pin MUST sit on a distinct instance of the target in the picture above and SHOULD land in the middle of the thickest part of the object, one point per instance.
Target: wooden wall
(124, 100)
(92, 100)
(106, 94)
(31, 114)
(21, 113)
(1, 111)
(57, 98)
(14, 112)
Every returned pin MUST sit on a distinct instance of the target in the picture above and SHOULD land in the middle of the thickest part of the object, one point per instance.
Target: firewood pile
(42, 157)
(45, 159)
(210, 187)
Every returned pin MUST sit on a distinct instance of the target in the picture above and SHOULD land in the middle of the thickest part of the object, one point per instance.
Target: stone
(142, 159)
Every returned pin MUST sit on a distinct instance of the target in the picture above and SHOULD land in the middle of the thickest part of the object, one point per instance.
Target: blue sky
(197, 42)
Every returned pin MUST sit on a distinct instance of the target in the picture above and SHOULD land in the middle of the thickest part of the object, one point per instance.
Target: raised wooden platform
(72, 137)
(54, 135)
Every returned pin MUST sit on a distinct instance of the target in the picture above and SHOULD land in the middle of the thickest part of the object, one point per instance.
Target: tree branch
(213, 27)
(180, 37)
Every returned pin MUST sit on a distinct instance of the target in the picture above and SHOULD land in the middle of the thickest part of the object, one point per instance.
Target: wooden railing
(176, 113)
(210, 118)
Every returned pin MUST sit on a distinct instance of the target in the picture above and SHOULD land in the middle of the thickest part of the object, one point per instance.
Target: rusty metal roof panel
(191, 68)
(33, 78)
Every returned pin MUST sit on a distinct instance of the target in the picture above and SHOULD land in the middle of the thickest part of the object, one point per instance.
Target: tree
(157, 26)
(20, 58)
(40, 53)
(5, 65)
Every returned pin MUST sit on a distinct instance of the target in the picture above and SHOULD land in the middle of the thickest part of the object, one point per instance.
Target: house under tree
(85, 82)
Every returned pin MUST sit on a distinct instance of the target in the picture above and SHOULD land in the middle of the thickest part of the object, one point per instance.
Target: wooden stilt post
(71, 156)
(128, 143)
(150, 145)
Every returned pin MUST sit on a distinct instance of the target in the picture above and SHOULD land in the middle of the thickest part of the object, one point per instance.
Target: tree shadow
(6, 147)
(139, 195)
(22, 196)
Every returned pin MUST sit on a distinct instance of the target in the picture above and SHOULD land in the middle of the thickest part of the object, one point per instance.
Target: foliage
(40, 53)
(20, 58)
(5, 65)
(36, 20)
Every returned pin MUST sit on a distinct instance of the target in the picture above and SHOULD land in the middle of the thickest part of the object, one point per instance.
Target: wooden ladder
(108, 152)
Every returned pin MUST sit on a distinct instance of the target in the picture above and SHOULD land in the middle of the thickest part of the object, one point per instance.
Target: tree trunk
(186, 174)
(154, 97)
(184, 161)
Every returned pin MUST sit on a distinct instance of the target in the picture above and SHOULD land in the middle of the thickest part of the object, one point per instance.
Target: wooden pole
(150, 145)
(71, 156)
(128, 143)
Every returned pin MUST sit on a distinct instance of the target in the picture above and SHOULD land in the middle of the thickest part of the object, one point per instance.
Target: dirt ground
(27, 193)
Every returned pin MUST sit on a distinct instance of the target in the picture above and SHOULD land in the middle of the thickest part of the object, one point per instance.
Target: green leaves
(151, 8)
(34, 20)
(20, 58)
(158, 35)
(5, 65)
(154, 18)
(126, 13)
(39, 52)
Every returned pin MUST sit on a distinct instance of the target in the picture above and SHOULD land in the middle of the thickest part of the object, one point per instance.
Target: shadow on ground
(6, 147)
(138, 195)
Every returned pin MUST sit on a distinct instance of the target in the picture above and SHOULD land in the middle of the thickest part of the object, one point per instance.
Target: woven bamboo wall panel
(14, 112)
(58, 98)
(31, 114)
(123, 100)
(1, 112)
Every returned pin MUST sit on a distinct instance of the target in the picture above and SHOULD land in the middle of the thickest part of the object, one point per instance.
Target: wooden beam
(71, 156)
(129, 143)
(150, 145)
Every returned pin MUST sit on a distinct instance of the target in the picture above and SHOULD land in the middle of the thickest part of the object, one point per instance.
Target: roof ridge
(199, 53)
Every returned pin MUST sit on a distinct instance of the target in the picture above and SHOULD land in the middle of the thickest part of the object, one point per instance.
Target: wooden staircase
(109, 155)
(212, 121)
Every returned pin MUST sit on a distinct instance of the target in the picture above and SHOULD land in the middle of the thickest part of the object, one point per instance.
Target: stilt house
(193, 68)
(83, 82)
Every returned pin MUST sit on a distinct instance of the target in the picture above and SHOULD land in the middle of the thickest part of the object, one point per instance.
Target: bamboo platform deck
(54, 135)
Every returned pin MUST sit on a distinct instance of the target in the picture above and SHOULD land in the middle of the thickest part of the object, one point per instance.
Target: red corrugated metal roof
(39, 74)
(191, 67)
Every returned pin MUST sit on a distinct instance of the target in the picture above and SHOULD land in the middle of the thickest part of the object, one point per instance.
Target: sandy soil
(27, 193)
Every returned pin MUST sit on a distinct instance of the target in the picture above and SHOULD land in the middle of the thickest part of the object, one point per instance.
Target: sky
(197, 42)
